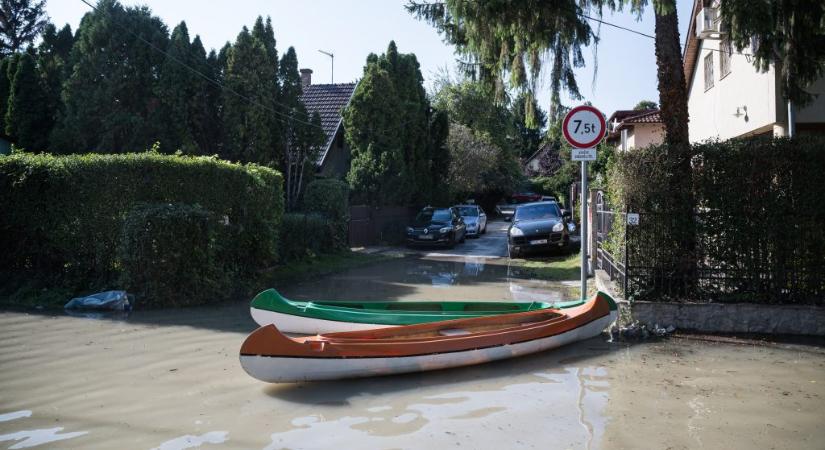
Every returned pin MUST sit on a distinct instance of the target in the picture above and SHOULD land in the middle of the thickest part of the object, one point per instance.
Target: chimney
(306, 77)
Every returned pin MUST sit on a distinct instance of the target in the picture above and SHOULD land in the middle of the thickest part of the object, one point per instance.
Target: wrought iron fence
(763, 264)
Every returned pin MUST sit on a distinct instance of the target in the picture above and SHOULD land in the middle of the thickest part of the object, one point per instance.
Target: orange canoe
(270, 356)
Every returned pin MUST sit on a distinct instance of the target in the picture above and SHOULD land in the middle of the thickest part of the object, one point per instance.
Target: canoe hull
(290, 323)
(278, 369)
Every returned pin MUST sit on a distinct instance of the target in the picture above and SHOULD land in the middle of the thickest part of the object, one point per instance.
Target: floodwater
(171, 380)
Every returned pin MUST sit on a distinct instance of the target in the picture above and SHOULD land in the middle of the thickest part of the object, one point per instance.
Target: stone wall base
(724, 317)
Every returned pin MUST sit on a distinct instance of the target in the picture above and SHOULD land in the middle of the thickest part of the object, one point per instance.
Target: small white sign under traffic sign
(584, 127)
(583, 154)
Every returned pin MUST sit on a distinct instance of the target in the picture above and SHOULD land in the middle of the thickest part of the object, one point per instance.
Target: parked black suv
(437, 226)
(538, 226)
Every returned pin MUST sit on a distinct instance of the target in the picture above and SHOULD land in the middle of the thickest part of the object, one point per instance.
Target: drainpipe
(791, 120)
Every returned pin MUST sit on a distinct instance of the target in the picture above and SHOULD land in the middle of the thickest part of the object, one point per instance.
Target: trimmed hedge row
(330, 199)
(759, 221)
(63, 216)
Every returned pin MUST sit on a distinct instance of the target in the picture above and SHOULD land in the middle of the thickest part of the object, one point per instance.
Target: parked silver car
(475, 219)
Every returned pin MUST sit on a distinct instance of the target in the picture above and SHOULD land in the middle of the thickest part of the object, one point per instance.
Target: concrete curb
(803, 320)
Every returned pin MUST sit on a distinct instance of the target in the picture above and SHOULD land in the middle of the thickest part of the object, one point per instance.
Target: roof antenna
(332, 62)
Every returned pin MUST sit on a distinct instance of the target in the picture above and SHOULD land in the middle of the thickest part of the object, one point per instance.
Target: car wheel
(513, 253)
(484, 230)
(451, 243)
(463, 238)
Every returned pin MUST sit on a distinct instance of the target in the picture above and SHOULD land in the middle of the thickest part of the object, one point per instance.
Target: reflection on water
(15, 415)
(191, 441)
(436, 278)
(507, 411)
(32, 438)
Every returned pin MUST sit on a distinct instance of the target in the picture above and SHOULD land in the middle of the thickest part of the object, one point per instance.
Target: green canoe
(318, 317)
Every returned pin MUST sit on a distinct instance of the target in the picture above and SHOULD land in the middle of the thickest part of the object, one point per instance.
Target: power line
(208, 78)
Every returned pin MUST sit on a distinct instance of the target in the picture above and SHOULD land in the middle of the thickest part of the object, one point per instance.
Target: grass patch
(555, 268)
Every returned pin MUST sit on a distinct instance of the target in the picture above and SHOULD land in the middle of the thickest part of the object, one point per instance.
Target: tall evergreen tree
(27, 116)
(387, 127)
(20, 23)
(175, 89)
(204, 108)
(110, 94)
(249, 115)
(53, 64)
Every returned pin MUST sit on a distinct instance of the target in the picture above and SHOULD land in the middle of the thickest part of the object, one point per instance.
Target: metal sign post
(584, 127)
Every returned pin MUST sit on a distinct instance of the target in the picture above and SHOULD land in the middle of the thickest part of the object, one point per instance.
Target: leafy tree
(530, 132)
(251, 122)
(388, 128)
(27, 115)
(110, 95)
(789, 34)
(645, 104)
(20, 23)
(477, 155)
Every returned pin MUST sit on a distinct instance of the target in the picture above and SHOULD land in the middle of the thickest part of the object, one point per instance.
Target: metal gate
(615, 263)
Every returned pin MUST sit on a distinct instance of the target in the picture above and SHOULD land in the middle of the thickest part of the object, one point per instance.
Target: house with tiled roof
(727, 96)
(329, 100)
(635, 128)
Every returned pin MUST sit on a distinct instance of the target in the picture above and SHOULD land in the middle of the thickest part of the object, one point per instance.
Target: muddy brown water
(171, 380)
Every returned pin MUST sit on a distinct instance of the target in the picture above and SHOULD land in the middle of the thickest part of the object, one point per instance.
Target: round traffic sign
(584, 126)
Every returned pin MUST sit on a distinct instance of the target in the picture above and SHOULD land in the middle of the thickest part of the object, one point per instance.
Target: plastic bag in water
(107, 301)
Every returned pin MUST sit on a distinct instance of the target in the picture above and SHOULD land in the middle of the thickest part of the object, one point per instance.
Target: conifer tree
(27, 115)
(110, 94)
(20, 23)
(53, 65)
(176, 89)
(249, 114)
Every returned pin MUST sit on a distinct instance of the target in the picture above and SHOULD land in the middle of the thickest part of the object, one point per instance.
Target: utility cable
(208, 78)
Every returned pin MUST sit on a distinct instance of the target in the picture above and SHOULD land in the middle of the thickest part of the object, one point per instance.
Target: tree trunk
(674, 113)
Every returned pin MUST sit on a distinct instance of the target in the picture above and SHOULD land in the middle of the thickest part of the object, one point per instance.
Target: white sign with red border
(584, 127)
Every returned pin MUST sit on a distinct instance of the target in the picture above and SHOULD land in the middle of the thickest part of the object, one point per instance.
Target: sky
(351, 29)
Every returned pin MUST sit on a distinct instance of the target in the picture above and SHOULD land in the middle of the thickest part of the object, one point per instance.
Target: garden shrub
(304, 236)
(168, 254)
(330, 198)
(63, 215)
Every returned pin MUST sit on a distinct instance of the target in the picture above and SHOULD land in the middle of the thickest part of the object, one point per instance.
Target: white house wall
(713, 112)
(648, 134)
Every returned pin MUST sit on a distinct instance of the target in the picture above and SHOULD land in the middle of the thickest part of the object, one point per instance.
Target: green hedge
(170, 257)
(63, 215)
(759, 221)
(304, 236)
(330, 198)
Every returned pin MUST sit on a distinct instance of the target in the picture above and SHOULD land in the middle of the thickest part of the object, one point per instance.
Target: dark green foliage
(54, 64)
(530, 121)
(62, 216)
(110, 96)
(759, 221)
(8, 68)
(388, 128)
(304, 134)
(304, 236)
(645, 104)
(251, 122)
(28, 119)
(789, 34)
(512, 41)
(330, 199)
(168, 256)
(20, 23)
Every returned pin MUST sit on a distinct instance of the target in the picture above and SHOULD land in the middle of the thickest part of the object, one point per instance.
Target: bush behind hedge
(62, 215)
(330, 198)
